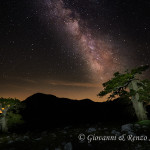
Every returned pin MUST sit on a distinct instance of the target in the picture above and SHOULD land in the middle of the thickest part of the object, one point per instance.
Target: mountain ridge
(46, 110)
(42, 94)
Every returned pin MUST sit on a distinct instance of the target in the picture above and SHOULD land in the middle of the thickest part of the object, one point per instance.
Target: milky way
(96, 51)
(68, 48)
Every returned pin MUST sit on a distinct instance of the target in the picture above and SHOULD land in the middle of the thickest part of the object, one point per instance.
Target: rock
(54, 135)
(126, 127)
(65, 132)
(115, 133)
(9, 142)
(91, 130)
(144, 127)
(38, 139)
(18, 139)
(137, 126)
(131, 133)
(26, 137)
(68, 146)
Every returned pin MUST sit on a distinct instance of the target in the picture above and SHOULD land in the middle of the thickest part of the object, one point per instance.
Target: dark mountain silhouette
(48, 111)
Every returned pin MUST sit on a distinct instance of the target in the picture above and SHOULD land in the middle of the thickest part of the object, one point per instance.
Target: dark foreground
(52, 123)
(88, 137)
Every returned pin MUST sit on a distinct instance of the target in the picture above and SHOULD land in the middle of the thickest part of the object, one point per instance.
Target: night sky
(70, 47)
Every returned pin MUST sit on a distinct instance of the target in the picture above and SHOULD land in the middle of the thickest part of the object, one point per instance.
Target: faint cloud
(74, 84)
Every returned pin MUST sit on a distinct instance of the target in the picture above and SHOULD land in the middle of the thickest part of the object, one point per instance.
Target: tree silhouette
(128, 85)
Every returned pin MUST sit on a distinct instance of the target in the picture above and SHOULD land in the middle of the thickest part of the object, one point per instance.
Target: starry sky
(70, 47)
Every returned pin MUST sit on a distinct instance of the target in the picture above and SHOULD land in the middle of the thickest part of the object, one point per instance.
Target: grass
(144, 123)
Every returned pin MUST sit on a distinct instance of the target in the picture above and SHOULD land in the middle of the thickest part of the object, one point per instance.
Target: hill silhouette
(49, 111)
